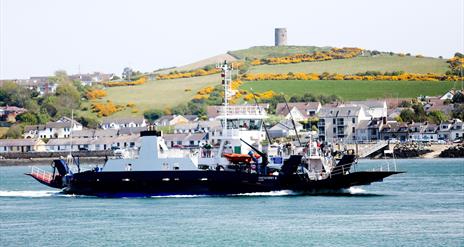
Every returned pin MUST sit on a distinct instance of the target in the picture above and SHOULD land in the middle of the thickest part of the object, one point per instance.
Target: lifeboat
(241, 158)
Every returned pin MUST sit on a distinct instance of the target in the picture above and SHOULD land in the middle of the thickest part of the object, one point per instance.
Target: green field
(274, 51)
(382, 63)
(159, 94)
(352, 90)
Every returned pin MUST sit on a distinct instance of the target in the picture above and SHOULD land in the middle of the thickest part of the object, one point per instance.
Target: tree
(68, 96)
(458, 97)
(437, 117)
(153, 114)
(407, 115)
(14, 132)
(458, 111)
(89, 122)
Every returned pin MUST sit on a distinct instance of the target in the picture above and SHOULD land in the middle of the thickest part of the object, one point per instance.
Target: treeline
(367, 76)
(334, 53)
(44, 108)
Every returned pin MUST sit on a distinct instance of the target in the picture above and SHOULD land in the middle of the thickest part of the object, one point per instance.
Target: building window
(353, 129)
(353, 120)
(334, 130)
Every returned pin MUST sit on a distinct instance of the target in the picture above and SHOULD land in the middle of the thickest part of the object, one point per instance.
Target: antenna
(291, 116)
(259, 110)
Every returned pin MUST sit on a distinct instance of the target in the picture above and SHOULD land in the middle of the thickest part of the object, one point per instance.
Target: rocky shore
(453, 152)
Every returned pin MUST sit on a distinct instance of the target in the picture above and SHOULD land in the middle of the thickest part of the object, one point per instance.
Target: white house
(118, 123)
(285, 128)
(170, 120)
(451, 130)
(339, 123)
(58, 129)
(21, 145)
(92, 144)
(374, 108)
(185, 140)
(298, 110)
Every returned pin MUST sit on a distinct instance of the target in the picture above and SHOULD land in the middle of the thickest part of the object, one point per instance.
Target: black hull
(133, 183)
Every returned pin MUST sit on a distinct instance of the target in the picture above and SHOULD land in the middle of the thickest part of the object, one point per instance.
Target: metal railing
(41, 174)
(243, 110)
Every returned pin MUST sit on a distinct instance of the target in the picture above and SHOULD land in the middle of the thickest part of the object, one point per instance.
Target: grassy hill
(169, 93)
(353, 90)
(274, 51)
(159, 94)
(383, 63)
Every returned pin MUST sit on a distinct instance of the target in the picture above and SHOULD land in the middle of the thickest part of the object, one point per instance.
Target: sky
(39, 37)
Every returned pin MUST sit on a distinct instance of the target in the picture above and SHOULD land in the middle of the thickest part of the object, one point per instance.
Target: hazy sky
(40, 37)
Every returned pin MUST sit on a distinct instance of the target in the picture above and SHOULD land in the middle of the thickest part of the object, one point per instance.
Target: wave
(30, 193)
(271, 193)
(179, 196)
(355, 190)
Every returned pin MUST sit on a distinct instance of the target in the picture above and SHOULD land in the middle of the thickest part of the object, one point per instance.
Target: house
(285, 128)
(374, 108)
(58, 129)
(198, 127)
(131, 131)
(416, 131)
(369, 130)
(186, 140)
(395, 130)
(430, 133)
(450, 130)
(299, 110)
(436, 104)
(91, 79)
(94, 133)
(118, 123)
(170, 120)
(46, 88)
(339, 123)
(91, 144)
(9, 113)
(21, 145)
(448, 95)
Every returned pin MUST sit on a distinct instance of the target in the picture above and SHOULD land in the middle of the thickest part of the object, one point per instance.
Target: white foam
(29, 193)
(356, 190)
(178, 196)
(271, 193)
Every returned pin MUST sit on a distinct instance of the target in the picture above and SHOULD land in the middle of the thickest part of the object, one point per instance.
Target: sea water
(423, 207)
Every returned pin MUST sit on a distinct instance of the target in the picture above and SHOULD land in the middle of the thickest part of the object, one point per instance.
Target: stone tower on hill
(280, 36)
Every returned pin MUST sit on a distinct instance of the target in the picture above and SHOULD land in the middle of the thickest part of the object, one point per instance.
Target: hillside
(159, 94)
(383, 63)
(274, 51)
(201, 63)
(352, 90)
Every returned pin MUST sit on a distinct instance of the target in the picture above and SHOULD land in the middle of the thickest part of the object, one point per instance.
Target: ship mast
(226, 81)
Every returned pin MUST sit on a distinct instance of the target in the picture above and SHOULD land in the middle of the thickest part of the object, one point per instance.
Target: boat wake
(31, 193)
(271, 193)
(355, 190)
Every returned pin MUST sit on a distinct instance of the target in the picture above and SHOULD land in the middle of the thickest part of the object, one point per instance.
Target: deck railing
(41, 174)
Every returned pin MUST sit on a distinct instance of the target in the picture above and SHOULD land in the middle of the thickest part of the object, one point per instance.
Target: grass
(159, 94)
(382, 63)
(274, 51)
(353, 90)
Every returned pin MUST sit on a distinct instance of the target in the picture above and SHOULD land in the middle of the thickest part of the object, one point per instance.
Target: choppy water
(424, 207)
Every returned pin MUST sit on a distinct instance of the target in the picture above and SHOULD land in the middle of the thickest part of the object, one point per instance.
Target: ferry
(237, 165)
